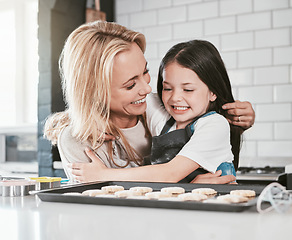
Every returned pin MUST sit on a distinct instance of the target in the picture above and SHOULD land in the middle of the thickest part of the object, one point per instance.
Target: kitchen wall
(254, 38)
(56, 19)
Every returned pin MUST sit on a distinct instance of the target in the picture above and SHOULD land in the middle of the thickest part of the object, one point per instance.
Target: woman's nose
(146, 87)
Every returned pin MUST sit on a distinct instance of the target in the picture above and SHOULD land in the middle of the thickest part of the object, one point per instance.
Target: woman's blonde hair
(86, 64)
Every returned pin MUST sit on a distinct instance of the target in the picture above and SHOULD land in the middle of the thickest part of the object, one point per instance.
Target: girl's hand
(88, 172)
(214, 178)
(240, 114)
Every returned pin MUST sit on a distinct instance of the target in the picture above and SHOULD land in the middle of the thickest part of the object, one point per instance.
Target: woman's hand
(214, 178)
(108, 137)
(240, 114)
(88, 172)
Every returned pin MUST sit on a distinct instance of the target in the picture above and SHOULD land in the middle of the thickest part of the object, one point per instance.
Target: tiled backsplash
(254, 38)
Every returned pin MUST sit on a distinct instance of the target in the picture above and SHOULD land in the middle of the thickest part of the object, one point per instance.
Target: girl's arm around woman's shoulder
(172, 171)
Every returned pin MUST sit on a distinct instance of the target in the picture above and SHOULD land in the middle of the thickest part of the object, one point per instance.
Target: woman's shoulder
(66, 137)
(68, 143)
(72, 150)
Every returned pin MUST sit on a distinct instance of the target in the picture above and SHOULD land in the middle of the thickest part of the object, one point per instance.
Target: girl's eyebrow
(184, 84)
(166, 82)
(134, 77)
(188, 84)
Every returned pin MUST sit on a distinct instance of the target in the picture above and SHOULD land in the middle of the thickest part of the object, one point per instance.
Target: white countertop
(29, 218)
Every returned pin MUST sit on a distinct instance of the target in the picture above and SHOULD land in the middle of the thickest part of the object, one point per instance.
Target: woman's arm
(173, 171)
(240, 114)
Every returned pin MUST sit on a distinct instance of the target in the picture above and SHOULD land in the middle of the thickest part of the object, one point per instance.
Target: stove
(265, 175)
(261, 175)
(260, 170)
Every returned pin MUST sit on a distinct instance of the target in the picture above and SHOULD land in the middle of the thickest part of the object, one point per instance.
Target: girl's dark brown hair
(204, 59)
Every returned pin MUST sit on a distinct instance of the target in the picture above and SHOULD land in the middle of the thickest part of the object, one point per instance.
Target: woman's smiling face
(184, 95)
(130, 85)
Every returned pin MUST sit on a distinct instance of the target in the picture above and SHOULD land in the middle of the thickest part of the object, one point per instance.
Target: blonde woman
(105, 82)
(97, 105)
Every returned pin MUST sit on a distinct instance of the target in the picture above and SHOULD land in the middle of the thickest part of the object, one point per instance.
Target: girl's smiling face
(130, 86)
(184, 95)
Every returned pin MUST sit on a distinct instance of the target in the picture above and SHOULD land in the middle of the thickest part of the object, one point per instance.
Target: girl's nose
(176, 96)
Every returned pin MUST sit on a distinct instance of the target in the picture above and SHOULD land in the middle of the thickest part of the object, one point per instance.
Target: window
(19, 64)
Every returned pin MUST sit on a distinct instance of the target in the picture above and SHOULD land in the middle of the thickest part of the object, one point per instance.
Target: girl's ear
(213, 97)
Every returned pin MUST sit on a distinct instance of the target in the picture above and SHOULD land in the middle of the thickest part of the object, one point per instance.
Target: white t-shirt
(209, 146)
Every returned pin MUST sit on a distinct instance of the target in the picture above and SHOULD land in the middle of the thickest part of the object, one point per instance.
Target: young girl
(193, 85)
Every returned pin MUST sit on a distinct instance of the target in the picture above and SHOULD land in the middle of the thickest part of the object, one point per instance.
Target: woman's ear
(213, 97)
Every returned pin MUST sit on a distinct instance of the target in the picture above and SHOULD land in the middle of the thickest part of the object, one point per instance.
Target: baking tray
(56, 195)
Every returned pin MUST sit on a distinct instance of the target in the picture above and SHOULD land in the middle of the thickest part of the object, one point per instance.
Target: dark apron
(168, 144)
